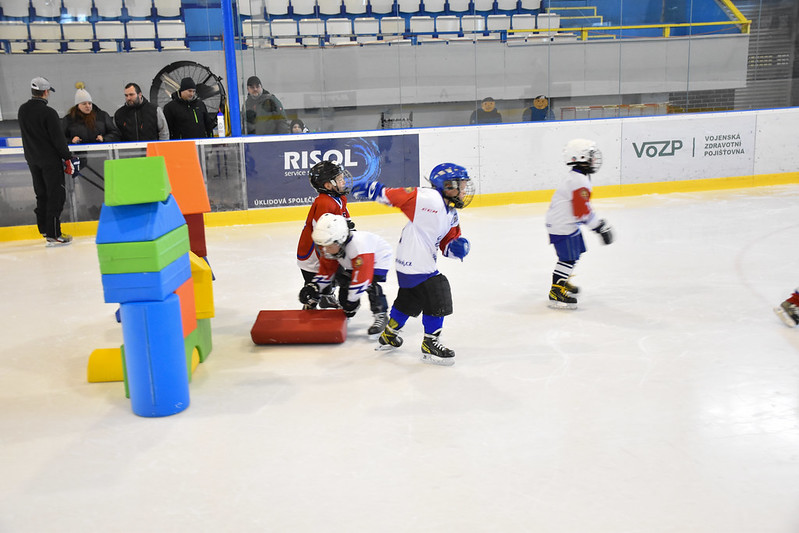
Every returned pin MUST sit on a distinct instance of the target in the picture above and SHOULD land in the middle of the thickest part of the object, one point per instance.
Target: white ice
(666, 403)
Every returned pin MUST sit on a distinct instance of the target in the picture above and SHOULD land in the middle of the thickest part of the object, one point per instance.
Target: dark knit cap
(187, 83)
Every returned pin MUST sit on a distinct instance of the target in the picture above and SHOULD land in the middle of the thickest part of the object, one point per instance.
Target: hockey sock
(399, 317)
(794, 299)
(562, 271)
(432, 323)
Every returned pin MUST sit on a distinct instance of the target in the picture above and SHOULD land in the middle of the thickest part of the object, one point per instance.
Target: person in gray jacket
(263, 111)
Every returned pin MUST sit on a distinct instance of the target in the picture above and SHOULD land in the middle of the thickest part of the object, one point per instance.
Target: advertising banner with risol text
(277, 172)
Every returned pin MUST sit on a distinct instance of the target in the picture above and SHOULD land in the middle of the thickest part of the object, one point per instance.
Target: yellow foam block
(105, 364)
(195, 360)
(203, 289)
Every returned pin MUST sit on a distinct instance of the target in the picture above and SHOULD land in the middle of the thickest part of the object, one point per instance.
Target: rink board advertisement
(277, 172)
(698, 147)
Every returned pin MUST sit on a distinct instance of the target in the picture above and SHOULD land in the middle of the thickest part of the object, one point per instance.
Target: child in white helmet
(571, 208)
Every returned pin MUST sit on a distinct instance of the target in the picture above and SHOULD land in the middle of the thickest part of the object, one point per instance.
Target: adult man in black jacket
(46, 150)
(140, 120)
(263, 111)
(186, 114)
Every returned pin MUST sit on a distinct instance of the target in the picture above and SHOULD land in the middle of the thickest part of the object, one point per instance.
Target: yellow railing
(742, 22)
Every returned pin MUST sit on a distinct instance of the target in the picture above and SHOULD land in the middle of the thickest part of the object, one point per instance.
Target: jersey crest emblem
(357, 262)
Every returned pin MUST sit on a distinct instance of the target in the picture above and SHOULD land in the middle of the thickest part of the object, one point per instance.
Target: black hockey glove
(350, 224)
(605, 231)
(350, 308)
(309, 294)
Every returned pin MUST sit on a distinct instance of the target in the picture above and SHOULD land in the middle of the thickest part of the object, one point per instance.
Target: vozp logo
(657, 148)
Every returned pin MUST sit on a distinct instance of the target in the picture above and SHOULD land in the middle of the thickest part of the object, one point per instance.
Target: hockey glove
(350, 224)
(458, 248)
(369, 190)
(350, 308)
(309, 294)
(71, 166)
(605, 231)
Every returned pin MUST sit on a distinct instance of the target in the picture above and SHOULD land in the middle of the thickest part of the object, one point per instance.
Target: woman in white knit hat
(86, 123)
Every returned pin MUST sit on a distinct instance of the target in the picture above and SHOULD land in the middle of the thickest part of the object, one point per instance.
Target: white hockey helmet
(331, 229)
(584, 153)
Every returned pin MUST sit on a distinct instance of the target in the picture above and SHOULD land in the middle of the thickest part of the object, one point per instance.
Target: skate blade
(440, 361)
(785, 317)
(561, 305)
(385, 348)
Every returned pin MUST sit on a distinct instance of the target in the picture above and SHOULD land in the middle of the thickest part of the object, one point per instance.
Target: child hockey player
(570, 208)
(788, 311)
(433, 224)
(332, 183)
(365, 259)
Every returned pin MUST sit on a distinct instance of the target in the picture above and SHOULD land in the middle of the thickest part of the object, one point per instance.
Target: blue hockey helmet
(449, 177)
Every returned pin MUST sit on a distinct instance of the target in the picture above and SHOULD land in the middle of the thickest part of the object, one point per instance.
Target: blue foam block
(146, 286)
(155, 357)
(138, 222)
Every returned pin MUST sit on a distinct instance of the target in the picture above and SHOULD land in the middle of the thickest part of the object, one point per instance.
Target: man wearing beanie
(139, 119)
(263, 111)
(186, 115)
(45, 149)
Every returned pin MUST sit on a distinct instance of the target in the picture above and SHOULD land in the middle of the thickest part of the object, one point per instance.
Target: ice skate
(571, 289)
(328, 301)
(788, 313)
(61, 240)
(390, 338)
(559, 297)
(379, 324)
(436, 353)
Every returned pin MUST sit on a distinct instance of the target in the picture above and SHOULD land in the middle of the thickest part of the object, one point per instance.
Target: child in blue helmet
(433, 225)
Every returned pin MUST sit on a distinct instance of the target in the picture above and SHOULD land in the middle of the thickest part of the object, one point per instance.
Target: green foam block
(143, 256)
(136, 180)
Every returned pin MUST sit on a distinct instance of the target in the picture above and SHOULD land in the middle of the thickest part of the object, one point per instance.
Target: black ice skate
(328, 301)
(788, 313)
(379, 324)
(390, 338)
(435, 352)
(559, 296)
(571, 289)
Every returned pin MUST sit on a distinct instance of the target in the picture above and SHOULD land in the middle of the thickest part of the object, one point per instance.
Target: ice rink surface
(666, 403)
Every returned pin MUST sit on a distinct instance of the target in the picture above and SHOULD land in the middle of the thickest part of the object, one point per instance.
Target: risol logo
(657, 148)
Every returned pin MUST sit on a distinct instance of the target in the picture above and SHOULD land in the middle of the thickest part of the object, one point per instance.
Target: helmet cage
(448, 176)
(327, 172)
(331, 229)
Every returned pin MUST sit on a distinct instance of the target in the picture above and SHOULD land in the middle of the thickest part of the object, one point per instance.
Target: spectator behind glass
(298, 126)
(487, 114)
(140, 120)
(186, 115)
(539, 111)
(85, 123)
(263, 111)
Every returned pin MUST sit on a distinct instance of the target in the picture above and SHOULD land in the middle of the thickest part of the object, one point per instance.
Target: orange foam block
(185, 174)
(316, 326)
(188, 311)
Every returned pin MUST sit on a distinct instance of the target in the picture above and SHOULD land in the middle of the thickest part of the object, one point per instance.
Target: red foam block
(316, 326)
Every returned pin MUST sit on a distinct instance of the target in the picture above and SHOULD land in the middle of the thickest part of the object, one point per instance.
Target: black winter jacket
(188, 120)
(103, 125)
(43, 139)
(138, 122)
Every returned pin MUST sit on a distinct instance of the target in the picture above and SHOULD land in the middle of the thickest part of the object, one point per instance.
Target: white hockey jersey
(571, 205)
(431, 227)
(366, 255)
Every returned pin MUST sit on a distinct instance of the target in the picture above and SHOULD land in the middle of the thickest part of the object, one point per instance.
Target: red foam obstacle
(317, 326)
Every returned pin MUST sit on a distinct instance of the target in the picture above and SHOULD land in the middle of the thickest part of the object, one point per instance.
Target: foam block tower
(152, 259)
(142, 247)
